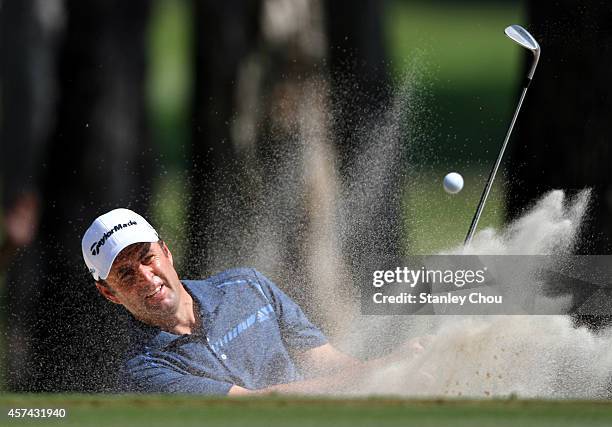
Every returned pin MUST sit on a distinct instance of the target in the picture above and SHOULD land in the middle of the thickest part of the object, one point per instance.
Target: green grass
(458, 42)
(153, 411)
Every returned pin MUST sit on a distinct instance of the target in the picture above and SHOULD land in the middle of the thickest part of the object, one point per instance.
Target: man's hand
(236, 390)
(414, 346)
(348, 371)
(333, 371)
(410, 349)
(324, 360)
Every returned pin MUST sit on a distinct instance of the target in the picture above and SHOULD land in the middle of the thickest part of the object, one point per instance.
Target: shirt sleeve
(150, 374)
(298, 333)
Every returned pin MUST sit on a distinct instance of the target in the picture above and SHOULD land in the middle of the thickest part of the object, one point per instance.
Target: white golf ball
(453, 183)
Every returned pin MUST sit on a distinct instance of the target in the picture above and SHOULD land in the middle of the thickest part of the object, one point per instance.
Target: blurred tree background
(469, 74)
(452, 56)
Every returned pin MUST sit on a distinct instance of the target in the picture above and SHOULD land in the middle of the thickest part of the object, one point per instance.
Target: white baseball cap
(109, 234)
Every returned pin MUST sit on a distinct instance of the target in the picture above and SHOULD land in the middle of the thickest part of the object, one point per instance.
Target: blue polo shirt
(250, 332)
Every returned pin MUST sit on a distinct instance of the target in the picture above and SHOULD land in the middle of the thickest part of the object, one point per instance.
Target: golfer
(234, 333)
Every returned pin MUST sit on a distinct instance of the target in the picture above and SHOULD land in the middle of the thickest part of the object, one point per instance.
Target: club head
(522, 37)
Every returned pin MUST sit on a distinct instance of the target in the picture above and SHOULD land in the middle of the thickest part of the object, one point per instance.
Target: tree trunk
(96, 159)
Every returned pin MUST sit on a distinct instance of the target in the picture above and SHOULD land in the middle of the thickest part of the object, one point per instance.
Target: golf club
(522, 37)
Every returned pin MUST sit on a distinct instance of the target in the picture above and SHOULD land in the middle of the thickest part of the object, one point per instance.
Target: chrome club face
(522, 37)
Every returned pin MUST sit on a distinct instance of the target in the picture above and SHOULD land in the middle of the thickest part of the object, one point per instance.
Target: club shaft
(487, 189)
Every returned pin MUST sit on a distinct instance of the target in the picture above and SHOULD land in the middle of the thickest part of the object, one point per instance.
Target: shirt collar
(207, 296)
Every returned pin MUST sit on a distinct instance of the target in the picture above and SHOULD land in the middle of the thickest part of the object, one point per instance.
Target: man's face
(144, 281)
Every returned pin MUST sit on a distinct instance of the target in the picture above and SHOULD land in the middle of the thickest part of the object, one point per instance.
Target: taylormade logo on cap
(109, 234)
(95, 248)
